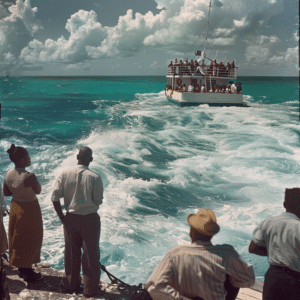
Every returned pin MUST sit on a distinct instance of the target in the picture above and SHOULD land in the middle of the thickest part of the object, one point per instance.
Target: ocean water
(159, 162)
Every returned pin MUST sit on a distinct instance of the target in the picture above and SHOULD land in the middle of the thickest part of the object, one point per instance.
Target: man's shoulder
(69, 171)
(76, 169)
(92, 173)
(282, 218)
(192, 249)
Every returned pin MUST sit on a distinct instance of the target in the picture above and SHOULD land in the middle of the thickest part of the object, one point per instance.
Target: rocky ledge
(50, 288)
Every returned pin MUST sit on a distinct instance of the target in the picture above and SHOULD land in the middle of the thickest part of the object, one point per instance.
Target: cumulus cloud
(291, 57)
(84, 30)
(88, 39)
(16, 30)
(174, 28)
(263, 54)
(261, 50)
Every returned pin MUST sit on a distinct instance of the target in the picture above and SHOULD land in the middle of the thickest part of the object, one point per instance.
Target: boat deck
(49, 288)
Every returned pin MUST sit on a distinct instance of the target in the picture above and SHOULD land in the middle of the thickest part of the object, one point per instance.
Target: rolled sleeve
(57, 190)
(98, 191)
(258, 236)
(241, 274)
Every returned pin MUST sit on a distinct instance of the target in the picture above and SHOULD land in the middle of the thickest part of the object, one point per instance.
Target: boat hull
(213, 99)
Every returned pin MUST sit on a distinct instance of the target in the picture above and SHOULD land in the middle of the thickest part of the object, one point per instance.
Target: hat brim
(207, 228)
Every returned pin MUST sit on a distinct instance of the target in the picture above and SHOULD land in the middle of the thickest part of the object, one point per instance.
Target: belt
(286, 270)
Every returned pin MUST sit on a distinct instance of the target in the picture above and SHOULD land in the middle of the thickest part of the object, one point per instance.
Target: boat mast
(207, 23)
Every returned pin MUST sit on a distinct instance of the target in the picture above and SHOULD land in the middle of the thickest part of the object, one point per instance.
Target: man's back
(81, 188)
(281, 236)
(199, 270)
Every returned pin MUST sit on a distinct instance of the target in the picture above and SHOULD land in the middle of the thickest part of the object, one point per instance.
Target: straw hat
(204, 221)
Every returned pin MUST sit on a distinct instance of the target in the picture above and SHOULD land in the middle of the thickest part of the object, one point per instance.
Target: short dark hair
(16, 153)
(85, 154)
(292, 198)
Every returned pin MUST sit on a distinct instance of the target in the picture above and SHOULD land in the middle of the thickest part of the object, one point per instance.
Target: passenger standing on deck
(278, 238)
(25, 230)
(82, 191)
(200, 270)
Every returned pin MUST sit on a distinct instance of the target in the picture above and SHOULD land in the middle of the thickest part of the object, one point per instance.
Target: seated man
(199, 270)
(190, 88)
(278, 238)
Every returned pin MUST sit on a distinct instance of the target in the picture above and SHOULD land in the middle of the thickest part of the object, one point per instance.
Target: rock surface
(50, 288)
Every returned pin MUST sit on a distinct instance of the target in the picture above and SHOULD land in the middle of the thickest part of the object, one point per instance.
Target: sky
(140, 37)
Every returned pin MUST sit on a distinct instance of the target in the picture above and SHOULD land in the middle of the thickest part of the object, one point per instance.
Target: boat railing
(192, 70)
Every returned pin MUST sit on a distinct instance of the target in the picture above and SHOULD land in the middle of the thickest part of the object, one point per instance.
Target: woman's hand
(6, 190)
(32, 181)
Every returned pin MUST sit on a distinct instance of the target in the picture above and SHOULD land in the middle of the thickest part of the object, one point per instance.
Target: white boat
(203, 80)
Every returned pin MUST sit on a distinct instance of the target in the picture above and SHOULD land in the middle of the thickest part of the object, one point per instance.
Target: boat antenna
(207, 24)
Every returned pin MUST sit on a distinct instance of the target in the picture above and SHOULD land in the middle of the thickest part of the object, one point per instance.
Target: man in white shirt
(190, 88)
(199, 270)
(82, 191)
(278, 238)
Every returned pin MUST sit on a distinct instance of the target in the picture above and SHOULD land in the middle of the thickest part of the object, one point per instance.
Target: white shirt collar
(290, 215)
(82, 167)
(200, 243)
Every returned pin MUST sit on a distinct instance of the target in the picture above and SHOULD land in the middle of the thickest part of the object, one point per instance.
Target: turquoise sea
(159, 162)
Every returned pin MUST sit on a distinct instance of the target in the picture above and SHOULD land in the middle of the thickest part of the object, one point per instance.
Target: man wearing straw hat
(200, 270)
(278, 238)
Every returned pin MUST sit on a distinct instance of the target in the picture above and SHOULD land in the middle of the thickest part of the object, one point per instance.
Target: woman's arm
(32, 181)
(6, 190)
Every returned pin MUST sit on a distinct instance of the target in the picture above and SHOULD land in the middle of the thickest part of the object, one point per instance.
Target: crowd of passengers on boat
(215, 88)
(195, 68)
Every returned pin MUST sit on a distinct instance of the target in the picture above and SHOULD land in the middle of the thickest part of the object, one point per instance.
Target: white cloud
(265, 52)
(241, 23)
(223, 31)
(22, 10)
(261, 49)
(174, 28)
(222, 41)
(16, 30)
(257, 54)
(296, 35)
(270, 39)
(84, 30)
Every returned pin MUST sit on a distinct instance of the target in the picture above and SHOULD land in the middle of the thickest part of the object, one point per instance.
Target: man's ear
(77, 156)
(92, 158)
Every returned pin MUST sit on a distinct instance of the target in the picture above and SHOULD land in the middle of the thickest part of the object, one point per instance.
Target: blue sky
(140, 37)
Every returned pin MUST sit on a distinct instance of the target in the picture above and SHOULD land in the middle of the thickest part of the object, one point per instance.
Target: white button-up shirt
(198, 270)
(81, 189)
(281, 236)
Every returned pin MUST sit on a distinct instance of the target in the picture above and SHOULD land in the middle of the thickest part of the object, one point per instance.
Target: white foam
(234, 160)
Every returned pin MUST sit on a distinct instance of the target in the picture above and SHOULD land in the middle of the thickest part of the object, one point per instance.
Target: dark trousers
(82, 232)
(281, 284)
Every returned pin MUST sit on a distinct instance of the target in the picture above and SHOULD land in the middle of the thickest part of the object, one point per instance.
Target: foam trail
(160, 162)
